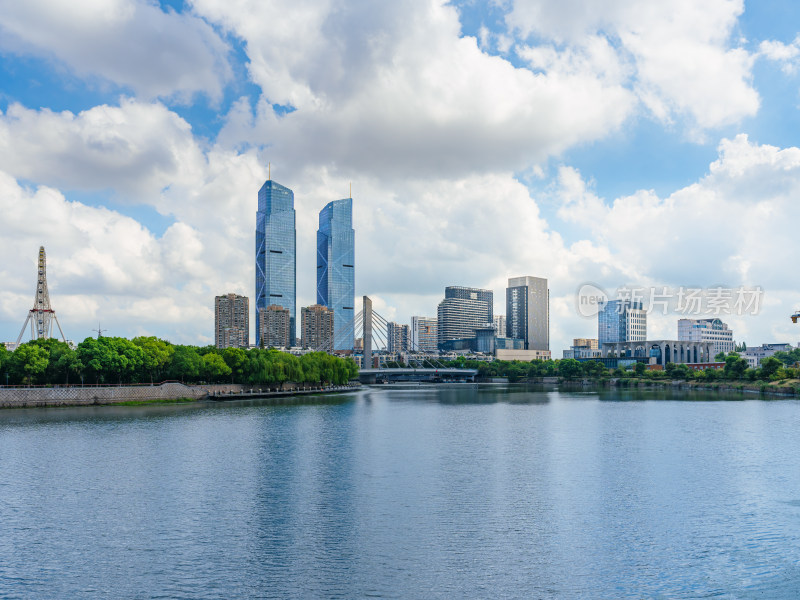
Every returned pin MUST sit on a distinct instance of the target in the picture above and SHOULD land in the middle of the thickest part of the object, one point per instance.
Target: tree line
(112, 360)
(774, 368)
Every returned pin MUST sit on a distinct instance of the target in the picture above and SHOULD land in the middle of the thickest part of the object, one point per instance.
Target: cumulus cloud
(785, 54)
(136, 148)
(393, 89)
(680, 53)
(732, 227)
(132, 43)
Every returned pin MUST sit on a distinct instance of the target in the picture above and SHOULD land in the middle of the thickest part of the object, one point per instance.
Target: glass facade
(621, 321)
(276, 253)
(336, 286)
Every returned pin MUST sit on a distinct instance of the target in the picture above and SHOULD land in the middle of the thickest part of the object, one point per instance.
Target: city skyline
(565, 153)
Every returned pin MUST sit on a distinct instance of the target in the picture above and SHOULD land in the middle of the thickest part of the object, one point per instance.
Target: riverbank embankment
(22, 397)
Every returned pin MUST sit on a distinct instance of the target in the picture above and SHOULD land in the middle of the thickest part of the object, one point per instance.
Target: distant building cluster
(464, 322)
(331, 329)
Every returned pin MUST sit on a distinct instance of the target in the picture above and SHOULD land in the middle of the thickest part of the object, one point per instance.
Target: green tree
(735, 366)
(214, 367)
(185, 364)
(720, 357)
(95, 357)
(569, 368)
(70, 364)
(640, 368)
(28, 362)
(770, 367)
(5, 356)
(236, 359)
(156, 355)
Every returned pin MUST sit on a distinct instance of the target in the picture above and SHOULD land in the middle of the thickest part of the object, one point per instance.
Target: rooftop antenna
(269, 167)
(99, 331)
(351, 190)
(41, 316)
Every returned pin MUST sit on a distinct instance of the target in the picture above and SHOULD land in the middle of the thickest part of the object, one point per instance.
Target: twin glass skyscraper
(276, 253)
(336, 269)
(276, 260)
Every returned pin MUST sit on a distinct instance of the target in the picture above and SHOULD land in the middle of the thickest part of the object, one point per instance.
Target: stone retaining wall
(79, 396)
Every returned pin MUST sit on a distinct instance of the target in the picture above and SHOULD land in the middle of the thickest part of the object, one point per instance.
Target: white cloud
(129, 42)
(136, 149)
(786, 54)
(736, 226)
(680, 52)
(393, 90)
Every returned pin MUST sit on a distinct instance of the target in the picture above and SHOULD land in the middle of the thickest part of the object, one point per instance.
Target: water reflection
(424, 492)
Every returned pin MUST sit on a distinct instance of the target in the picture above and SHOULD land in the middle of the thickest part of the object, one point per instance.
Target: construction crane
(796, 316)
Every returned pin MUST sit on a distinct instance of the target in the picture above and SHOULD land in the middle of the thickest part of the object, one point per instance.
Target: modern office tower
(231, 321)
(500, 325)
(317, 327)
(622, 321)
(458, 318)
(276, 252)
(707, 330)
(274, 323)
(528, 312)
(423, 334)
(397, 337)
(336, 269)
(468, 293)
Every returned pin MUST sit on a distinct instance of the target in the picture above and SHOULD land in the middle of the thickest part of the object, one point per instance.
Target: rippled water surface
(448, 492)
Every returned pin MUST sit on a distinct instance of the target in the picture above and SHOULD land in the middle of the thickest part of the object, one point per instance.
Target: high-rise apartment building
(707, 330)
(276, 252)
(231, 321)
(468, 293)
(317, 327)
(500, 325)
(274, 323)
(528, 312)
(397, 337)
(336, 269)
(622, 321)
(423, 334)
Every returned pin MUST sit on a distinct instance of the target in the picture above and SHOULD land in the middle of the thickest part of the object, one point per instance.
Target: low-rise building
(707, 330)
(590, 343)
(660, 352)
(755, 355)
(523, 355)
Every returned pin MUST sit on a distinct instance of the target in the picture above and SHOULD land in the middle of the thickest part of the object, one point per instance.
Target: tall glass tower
(276, 252)
(336, 287)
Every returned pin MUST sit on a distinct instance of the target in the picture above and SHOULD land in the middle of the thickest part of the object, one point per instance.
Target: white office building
(707, 330)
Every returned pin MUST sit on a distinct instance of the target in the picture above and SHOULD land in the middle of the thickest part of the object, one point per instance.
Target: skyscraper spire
(41, 316)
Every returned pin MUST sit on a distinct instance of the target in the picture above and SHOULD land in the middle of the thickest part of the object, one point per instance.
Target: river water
(406, 492)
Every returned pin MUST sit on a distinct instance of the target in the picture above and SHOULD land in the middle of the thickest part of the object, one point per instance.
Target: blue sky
(573, 141)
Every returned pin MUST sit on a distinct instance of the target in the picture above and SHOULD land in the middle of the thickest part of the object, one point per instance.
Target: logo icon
(590, 300)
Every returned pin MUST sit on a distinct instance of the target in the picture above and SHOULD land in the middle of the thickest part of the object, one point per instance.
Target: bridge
(374, 330)
(412, 374)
